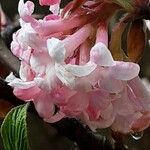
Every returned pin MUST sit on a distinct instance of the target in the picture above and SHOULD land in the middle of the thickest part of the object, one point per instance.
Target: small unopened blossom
(49, 2)
(3, 20)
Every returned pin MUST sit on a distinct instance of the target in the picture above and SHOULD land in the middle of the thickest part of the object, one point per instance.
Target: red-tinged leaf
(116, 40)
(136, 41)
(77, 4)
(107, 10)
(126, 4)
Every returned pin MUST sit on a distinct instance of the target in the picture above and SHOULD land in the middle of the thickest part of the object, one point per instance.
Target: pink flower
(67, 70)
(97, 112)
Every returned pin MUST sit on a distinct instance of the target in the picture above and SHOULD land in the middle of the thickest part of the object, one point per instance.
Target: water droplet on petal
(137, 135)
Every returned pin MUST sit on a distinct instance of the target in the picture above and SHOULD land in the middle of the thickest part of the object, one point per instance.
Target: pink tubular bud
(48, 2)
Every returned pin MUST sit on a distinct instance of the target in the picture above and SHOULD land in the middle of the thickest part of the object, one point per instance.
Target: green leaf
(14, 129)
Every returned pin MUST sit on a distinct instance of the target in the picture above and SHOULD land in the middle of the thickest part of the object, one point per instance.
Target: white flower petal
(18, 83)
(25, 9)
(10, 77)
(81, 71)
(56, 49)
(49, 81)
(54, 9)
(66, 77)
(101, 55)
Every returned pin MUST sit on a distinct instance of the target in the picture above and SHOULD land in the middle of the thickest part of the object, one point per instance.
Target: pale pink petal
(124, 70)
(132, 113)
(26, 55)
(44, 105)
(123, 124)
(101, 55)
(85, 52)
(139, 103)
(27, 37)
(122, 105)
(76, 104)
(63, 94)
(25, 72)
(108, 83)
(141, 123)
(98, 101)
(16, 48)
(32, 39)
(99, 124)
(138, 88)
(56, 117)
(106, 114)
(27, 94)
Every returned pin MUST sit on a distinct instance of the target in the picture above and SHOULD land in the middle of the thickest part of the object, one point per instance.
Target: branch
(83, 136)
(7, 59)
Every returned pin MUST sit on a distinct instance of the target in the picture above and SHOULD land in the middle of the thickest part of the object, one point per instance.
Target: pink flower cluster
(68, 71)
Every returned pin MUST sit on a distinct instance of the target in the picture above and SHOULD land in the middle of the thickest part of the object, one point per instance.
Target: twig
(119, 144)
(83, 136)
(8, 59)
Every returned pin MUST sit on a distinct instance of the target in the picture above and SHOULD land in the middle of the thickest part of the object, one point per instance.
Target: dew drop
(137, 135)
